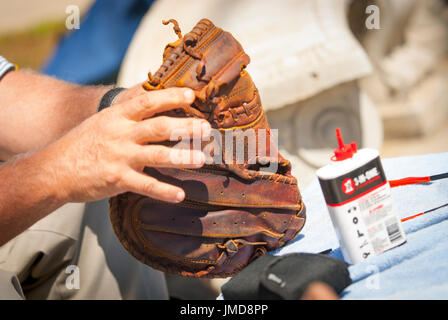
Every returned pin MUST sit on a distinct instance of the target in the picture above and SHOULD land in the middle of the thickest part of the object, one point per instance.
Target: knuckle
(127, 130)
(112, 178)
(158, 155)
(161, 127)
(183, 155)
(148, 186)
(111, 123)
(197, 125)
(191, 123)
(144, 100)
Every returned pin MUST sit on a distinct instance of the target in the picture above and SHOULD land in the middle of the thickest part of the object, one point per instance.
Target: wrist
(93, 96)
(41, 188)
(50, 174)
(61, 169)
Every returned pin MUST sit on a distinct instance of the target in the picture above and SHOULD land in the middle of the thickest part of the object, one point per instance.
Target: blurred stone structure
(409, 84)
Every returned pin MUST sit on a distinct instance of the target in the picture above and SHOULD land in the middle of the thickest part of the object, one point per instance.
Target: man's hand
(319, 291)
(102, 157)
(105, 155)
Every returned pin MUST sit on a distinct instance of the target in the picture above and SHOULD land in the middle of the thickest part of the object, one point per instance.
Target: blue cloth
(416, 270)
(93, 53)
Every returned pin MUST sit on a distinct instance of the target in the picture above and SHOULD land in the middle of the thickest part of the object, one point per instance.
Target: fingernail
(206, 129)
(189, 94)
(180, 196)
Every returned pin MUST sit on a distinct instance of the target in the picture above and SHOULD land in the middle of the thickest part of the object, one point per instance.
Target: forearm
(29, 190)
(37, 109)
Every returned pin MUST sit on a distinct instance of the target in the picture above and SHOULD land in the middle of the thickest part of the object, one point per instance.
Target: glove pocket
(195, 242)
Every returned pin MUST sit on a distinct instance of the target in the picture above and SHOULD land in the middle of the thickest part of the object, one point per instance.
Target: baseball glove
(234, 211)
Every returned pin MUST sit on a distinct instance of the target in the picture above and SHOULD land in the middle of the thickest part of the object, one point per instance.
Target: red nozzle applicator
(345, 151)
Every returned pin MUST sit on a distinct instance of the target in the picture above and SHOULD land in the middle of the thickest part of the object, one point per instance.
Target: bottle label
(354, 184)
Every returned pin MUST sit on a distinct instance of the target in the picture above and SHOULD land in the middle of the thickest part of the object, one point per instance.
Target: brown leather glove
(234, 211)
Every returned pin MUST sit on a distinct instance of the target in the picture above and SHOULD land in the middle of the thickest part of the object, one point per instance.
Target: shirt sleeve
(5, 67)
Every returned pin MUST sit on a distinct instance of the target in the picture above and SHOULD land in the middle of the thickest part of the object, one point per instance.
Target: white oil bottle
(359, 201)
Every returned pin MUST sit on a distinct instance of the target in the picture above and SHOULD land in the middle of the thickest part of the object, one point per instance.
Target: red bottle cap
(344, 151)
